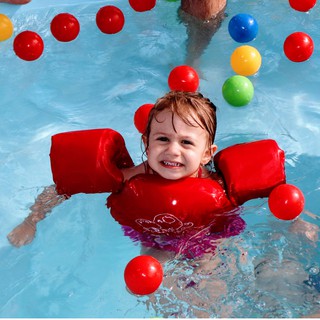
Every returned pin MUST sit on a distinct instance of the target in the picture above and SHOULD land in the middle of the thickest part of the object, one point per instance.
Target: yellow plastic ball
(245, 60)
(6, 27)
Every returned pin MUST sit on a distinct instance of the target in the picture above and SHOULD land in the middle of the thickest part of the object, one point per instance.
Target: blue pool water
(74, 267)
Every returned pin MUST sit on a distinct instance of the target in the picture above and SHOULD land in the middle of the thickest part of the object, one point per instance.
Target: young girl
(171, 201)
(179, 142)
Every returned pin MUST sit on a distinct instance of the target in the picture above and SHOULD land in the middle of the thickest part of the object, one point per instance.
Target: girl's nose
(173, 149)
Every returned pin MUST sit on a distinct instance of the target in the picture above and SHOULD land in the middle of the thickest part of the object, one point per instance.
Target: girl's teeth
(172, 164)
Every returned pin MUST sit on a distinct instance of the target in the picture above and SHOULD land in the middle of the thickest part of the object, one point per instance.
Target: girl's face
(176, 154)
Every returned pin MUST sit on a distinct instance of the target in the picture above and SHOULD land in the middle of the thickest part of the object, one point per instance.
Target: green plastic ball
(238, 91)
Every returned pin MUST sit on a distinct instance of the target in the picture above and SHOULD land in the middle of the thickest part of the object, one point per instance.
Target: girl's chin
(170, 175)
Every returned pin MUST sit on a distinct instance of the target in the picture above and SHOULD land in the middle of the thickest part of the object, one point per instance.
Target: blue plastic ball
(243, 28)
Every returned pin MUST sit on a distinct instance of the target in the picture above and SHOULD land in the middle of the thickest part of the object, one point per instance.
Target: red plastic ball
(298, 47)
(286, 202)
(142, 5)
(143, 275)
(302, 5)
(183, 78)
(141, 117)
(65, 27)
(28, 45)
(110, 19)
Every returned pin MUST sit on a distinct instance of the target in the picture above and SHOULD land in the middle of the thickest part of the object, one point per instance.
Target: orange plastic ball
(6, 27)
(245, 60)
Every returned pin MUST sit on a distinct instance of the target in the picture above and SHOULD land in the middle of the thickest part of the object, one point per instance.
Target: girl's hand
(23, 234)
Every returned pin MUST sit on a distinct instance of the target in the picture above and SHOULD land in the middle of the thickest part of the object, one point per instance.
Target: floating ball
(142, 5)
(298, 47)
(238, 91)
(286, 202)
(143, 275)
(141, 117)
(183, 78)
(110, 19)
(302, 5)
(65, 27)
(243, 27)
(6, 27)
(28, 45)
(245, 60)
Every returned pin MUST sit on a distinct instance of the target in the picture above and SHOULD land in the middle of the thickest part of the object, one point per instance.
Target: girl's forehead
(170, 123)
(167, 116)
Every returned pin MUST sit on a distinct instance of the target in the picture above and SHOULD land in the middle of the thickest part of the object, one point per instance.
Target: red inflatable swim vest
(151, 204)
(154, 205)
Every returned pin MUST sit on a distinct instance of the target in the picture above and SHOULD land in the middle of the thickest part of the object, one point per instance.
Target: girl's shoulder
(133, 171)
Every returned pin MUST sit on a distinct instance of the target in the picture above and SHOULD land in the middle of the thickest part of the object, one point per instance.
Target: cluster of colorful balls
(245, 61)
(286, 201)
(28, 45)
(298, 46)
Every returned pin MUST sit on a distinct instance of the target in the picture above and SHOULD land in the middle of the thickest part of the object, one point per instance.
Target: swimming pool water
(74, 267)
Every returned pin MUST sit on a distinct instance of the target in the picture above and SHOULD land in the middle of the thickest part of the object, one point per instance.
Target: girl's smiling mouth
(171, 164)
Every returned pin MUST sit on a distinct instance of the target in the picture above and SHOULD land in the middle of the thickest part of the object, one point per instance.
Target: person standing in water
(202, 19)
(15, 1)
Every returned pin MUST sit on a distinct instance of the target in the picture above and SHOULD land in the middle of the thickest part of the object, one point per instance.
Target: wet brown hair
(186, 105)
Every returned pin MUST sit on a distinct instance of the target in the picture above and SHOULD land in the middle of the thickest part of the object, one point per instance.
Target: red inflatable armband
(251, 170)
(154, 205)
(88, 161)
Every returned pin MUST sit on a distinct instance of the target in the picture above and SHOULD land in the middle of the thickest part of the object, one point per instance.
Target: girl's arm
(24, 233)
(84, 161)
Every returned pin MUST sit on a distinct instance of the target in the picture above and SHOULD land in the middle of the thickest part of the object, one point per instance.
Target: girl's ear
(208, 154)
(214, 149)
(145, 141)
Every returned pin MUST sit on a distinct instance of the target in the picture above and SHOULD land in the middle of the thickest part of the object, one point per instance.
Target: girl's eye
(187, 142)
(163, 139)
